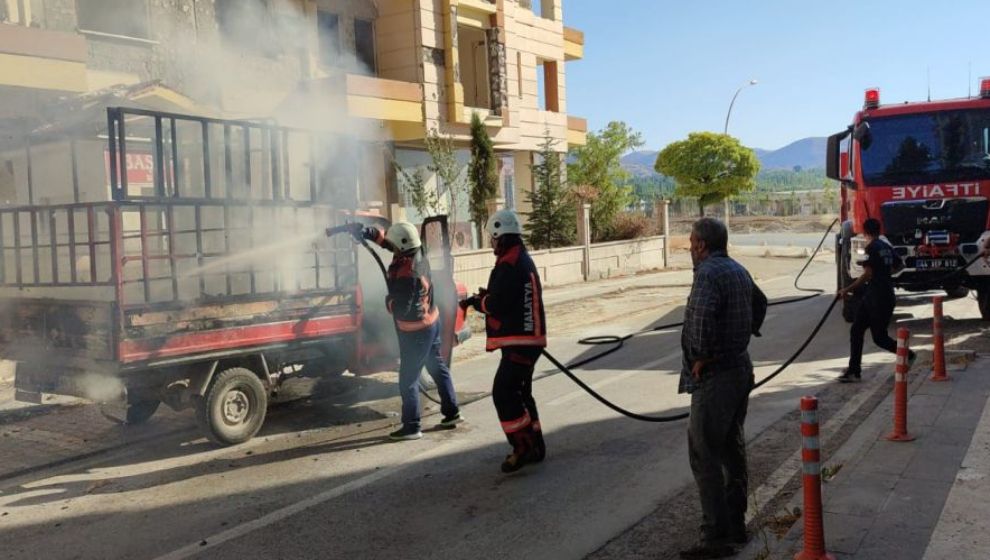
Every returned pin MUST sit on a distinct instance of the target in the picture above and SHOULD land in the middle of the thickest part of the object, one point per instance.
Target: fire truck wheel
(139, 412)
(957, 292)
(234, 407)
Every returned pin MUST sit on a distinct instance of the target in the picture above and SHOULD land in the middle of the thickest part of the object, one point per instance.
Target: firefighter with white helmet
(516, 325)
(417, 325)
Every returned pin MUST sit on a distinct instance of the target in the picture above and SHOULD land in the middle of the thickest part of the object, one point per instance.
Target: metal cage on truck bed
(187, 241)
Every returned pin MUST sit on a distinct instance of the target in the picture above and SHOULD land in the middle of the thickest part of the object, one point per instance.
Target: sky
(668, 68)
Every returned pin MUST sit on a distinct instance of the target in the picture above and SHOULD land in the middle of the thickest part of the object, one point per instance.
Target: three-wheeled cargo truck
(177, 259)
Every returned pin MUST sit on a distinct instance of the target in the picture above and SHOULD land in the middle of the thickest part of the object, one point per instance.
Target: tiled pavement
(889, 497)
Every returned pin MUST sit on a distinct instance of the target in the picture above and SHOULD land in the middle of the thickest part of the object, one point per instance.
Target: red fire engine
(923, 170)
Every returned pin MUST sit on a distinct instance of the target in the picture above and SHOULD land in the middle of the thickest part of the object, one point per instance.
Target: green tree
(450, 186)
(709, 166)
(598, 164)
(450, 175)
(553, 221)
(482, 173)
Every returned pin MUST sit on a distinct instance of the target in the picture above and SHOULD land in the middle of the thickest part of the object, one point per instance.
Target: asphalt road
(320, 482)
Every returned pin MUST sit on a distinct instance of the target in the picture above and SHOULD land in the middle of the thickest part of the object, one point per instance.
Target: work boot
(849, 376)
(523, 451)
(406, 433)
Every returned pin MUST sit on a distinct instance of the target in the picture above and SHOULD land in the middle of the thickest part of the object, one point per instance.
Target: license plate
(935, 264)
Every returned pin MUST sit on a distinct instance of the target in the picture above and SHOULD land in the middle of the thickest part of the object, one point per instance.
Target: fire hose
(618, 342)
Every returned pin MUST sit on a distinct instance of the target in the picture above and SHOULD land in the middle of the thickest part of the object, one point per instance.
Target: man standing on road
(876, 306)
(417, 325)
(718, 373)
(516, 325)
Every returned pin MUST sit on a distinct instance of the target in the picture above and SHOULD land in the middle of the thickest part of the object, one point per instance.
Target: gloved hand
(370, 233)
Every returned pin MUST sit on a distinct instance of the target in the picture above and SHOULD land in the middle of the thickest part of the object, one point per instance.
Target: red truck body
(203, 281)
(923, 170)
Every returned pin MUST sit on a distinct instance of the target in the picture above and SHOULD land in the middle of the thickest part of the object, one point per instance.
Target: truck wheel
(957, 292)
(234, 407)
(983, 299)
(139, 412)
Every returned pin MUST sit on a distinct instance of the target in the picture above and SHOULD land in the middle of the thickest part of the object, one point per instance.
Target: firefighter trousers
(513, 390)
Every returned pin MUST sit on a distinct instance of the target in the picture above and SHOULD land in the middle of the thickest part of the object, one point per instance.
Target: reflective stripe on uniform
(511, 426)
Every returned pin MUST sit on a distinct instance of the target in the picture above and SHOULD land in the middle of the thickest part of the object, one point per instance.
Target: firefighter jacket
(410, 289)
(513, 303)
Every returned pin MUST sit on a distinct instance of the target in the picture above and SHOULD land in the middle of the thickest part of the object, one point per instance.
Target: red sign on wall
(140, 170)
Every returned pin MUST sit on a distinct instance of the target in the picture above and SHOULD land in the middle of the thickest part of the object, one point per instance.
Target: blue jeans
(418, 349)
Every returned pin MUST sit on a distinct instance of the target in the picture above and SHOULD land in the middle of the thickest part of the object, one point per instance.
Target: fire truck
(151, 257)
(923, 170)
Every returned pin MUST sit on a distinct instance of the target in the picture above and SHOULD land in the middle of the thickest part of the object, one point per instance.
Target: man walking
(410, 301)
(718, 373)
(876, 306)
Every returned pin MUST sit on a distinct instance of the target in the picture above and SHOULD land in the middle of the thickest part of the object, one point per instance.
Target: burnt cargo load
(923, 170)
(190, 267)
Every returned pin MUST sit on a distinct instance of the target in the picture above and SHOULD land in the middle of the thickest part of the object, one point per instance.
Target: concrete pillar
(523, 171)
(664, 214)
(584, 237)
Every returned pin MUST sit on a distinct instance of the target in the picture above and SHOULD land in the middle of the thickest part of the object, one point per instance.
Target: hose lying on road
(619, 341)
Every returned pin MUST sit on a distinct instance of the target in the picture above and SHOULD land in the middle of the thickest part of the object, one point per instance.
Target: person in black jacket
(516, 325)
(876, 308)
(417, 325)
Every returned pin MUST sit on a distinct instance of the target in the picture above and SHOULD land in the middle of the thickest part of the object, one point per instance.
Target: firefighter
(417, 325)
(516, 326)
(876, 308)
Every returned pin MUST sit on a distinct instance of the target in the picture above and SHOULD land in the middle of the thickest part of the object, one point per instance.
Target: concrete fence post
(584, 237)
(665, 216)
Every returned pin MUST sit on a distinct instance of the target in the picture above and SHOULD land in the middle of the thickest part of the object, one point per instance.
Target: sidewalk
(925, 499)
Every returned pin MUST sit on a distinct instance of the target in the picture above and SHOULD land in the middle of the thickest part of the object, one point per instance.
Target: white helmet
(403, 236)
(502, 222)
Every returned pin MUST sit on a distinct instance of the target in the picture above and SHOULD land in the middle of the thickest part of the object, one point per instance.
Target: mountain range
(807, 153)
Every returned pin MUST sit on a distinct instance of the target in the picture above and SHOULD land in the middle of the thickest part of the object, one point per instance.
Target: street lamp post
(726, 131)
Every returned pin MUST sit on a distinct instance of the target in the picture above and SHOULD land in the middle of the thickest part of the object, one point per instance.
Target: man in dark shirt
(718, 373)
(876, 289)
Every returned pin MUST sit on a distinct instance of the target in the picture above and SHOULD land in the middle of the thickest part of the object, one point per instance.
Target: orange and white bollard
(900, 432)
(938, 354)
(814, 529)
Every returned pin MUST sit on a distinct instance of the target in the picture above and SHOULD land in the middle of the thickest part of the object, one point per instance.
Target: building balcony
(573, 44)
(577, 131)
(41, 59)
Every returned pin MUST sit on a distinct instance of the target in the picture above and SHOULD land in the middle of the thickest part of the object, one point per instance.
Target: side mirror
(833, 166)
(863, 135)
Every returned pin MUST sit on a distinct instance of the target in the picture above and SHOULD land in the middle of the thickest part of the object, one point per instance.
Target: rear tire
(234, 407)
(957, 292)
(139, 412)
